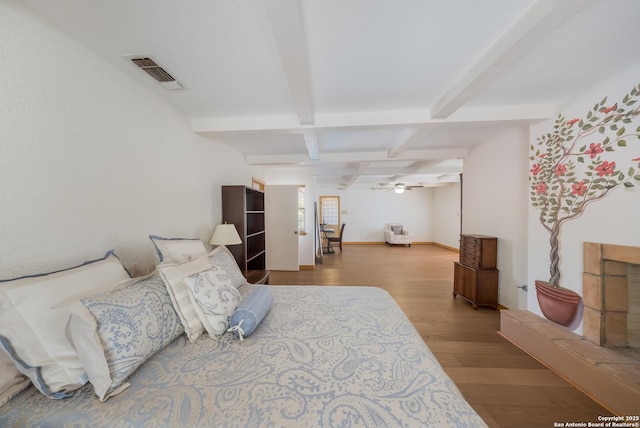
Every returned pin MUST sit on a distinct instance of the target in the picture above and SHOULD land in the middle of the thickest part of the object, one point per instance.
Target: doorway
(330, 216)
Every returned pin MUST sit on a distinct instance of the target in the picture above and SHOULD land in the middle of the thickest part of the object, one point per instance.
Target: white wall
(495, 201)
(613, 220)
(366, 212)
(91, 161)
(447, 215)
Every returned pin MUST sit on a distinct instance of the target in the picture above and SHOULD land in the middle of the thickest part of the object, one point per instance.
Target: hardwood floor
(506, 386)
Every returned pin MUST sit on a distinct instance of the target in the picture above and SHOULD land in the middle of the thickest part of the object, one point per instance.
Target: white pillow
(116, 332)
(221, 256)
(215, 298)
(173, 276)
(176, 250)
(11, 380)
(33, 333)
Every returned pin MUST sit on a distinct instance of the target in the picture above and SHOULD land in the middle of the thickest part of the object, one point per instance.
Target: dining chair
(337, 239)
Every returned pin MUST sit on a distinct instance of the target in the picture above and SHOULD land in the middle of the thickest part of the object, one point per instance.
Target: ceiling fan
(398, 187)
(401, 187)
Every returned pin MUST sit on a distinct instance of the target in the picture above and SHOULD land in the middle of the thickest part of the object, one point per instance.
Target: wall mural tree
(570, 167)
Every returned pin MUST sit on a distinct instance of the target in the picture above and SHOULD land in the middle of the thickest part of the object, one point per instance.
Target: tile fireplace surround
(599, 363)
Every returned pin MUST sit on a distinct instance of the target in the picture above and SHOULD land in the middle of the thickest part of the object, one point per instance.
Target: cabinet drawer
(478, 251)
(469, 259)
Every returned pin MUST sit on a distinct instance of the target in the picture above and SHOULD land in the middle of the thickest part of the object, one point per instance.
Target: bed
(323, 356)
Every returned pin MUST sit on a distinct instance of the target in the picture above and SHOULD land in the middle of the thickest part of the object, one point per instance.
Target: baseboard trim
(306, 267)
(437, 244)
(384, 243)
(362, 243)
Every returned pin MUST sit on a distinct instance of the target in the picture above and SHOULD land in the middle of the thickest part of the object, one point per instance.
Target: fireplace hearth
(605, 361)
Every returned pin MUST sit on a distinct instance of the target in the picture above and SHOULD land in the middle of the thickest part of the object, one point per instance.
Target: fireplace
(604, 361)
(611, 295)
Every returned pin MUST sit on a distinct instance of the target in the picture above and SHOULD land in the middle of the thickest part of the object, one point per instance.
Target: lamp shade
(225, 234)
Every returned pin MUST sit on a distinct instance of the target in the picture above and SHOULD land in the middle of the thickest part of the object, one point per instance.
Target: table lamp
(225, 234)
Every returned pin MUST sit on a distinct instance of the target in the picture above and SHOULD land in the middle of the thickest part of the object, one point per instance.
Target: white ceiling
(366, 92)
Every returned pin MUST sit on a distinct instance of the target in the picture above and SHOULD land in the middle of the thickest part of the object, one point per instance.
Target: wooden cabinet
(475, 276)
(244, 207)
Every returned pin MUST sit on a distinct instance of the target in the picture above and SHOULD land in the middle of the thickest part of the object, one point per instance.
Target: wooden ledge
(610, 377)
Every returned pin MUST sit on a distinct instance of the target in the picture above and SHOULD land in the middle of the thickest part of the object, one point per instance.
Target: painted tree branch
(569, 173)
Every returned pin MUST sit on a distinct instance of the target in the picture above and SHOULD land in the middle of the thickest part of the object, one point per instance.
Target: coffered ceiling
(367, 93)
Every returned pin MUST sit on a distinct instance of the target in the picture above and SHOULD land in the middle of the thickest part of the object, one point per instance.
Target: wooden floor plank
(504, 376)
(504, 385)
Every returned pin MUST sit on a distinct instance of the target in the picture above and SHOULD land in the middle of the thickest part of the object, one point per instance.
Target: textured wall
(90, 161)
(447, 215)
(495, 197)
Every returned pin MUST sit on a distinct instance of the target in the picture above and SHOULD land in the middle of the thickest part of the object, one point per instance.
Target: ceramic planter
(557, 304)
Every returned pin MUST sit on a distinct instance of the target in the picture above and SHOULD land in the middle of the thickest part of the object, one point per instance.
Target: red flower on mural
(578, 188)
(606, 168)
(635, 160)
(572, 121)
(560, 169)
(541, 188)
(609, 109)
(594, 150)
(535, 169)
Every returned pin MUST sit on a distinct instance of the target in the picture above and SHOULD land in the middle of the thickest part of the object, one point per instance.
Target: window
(330, 211)
(257, 184)
(301, 210)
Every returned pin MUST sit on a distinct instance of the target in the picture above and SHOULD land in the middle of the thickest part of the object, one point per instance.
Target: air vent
(150, 67)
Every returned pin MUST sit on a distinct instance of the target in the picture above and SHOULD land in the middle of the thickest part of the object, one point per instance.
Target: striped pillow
(173, 276)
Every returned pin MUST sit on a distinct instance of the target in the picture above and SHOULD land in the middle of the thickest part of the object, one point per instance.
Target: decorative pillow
(215, 299)
(251, 312)
(221, 256)
(397, 230)
(33, 334)
(115, 332)
(11, 380)
(173, 276)
(176, 250)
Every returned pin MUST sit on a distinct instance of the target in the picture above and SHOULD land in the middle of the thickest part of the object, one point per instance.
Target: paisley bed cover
(322, 357)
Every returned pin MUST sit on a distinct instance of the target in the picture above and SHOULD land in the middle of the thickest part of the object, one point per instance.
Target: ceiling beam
(405, 145)
(210, 127)
(311, 140)
(420, 166)
(358, 157)
(361, 168)
(287, 27)
(536, 24)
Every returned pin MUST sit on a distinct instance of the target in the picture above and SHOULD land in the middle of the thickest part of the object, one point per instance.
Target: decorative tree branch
(567, 173)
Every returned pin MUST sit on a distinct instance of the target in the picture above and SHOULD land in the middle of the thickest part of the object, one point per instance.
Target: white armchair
(395, 234)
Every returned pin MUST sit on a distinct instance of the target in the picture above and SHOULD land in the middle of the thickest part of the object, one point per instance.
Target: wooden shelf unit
(244, 207)
(475, 276)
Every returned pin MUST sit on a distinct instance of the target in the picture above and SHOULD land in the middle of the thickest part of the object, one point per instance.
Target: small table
(258, 276)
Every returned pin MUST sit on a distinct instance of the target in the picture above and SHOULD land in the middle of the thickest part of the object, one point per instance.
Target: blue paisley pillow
(131, 324)
(214, 297)
(221, 257)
